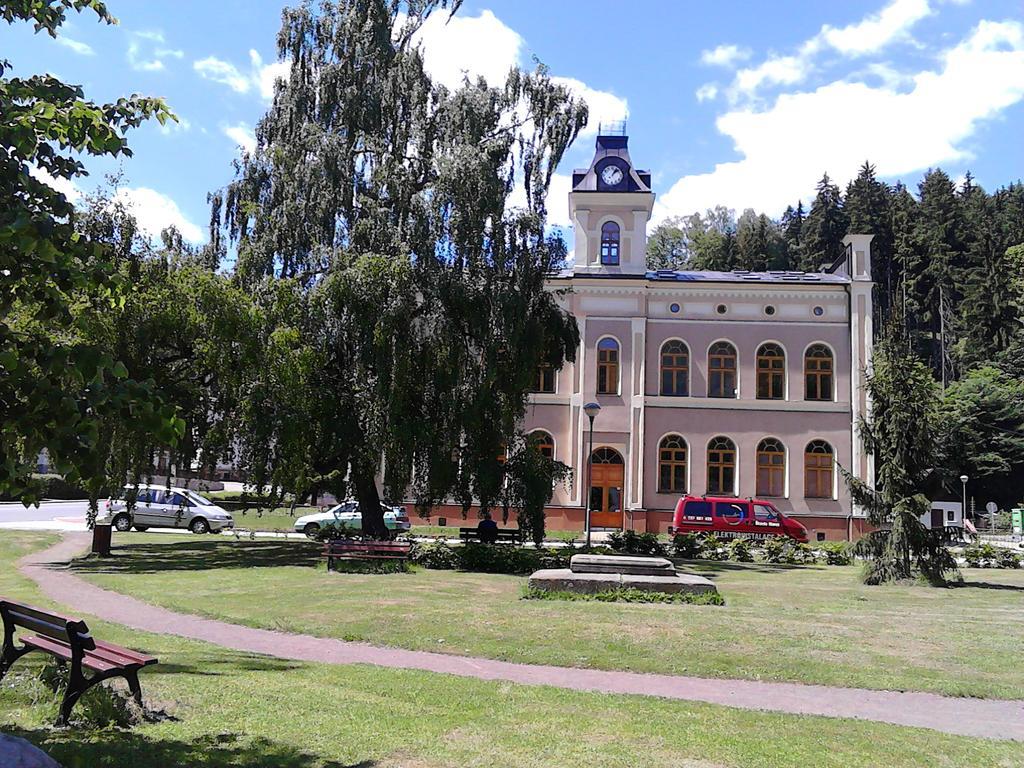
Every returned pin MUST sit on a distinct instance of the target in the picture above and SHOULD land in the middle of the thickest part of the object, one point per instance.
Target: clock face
(611, 175)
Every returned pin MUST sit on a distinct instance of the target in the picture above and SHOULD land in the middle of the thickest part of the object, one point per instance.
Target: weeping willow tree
(902, 436)
(374, 223)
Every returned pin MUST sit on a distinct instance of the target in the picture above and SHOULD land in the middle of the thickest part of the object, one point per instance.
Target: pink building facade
(738, 383)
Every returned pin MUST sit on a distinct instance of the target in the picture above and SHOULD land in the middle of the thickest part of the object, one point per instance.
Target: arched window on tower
(607, 367)
(610, 243)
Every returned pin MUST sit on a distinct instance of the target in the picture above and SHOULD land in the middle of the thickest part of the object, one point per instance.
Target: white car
(159, 507)
(347, 515)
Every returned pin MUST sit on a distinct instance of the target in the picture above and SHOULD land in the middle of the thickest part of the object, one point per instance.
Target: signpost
(991, 508)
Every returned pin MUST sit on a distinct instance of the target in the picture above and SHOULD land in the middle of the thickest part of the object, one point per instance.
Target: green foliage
(374, 224)
(836, 553)
(824, 228)
(711, 548)
(530, 480)
(986, 555)
(686, 546)
(491, 558)
(739, 550)
(633, 543)
(437, 555)
(626, 595)
(775, 550)
(59, 387)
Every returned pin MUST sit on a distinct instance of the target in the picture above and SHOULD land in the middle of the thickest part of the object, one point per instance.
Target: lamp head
(963, 479)
(591, 409)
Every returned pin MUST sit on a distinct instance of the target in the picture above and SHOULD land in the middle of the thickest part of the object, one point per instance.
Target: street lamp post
(963, 482)
(591, 409)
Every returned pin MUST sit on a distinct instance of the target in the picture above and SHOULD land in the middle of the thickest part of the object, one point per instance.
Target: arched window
(722, 466)
(610, 243)
(672, 465)
(771, 372)
(606, 456)
(771, 468)
(607, 367)
(545, 379)
(675, 369)
(722, 370)
(818, 369)
(818, 462)
(543, 442)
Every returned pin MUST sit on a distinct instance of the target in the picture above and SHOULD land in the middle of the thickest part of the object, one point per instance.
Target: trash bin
(101, 540)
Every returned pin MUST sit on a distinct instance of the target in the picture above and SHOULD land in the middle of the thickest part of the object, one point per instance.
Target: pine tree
(824, 229)
(792, 234)
(902, 214)
(867, 206)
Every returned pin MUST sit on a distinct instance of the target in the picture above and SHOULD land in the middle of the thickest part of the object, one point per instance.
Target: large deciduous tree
(374, 222)
(57, 387)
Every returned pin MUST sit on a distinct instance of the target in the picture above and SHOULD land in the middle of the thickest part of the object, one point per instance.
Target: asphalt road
(14, 512)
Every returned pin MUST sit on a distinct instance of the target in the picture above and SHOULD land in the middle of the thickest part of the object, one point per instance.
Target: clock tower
(610, 205)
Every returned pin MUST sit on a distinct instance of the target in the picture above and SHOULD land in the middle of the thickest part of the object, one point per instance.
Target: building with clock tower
(710, 383)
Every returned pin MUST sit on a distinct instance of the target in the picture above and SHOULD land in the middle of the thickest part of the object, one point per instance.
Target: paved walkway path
(969, 717)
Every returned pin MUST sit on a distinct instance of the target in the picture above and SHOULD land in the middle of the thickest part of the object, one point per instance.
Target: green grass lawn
(270, 519)
(807, 624)
(245, 711)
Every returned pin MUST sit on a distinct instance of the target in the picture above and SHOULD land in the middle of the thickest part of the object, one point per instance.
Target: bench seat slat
(130, 656)
(63, 650)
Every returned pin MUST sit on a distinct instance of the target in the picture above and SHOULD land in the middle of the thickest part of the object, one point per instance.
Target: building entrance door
(608, 474)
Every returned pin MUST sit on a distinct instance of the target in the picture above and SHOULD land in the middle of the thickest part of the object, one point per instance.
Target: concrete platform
(644, 566)
(566, 580)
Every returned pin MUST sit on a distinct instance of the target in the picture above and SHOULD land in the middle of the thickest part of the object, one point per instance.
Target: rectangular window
(545, 381)
(733, 511)
(697, 512)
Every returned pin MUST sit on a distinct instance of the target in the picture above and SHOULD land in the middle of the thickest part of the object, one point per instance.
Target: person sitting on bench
(487, 529)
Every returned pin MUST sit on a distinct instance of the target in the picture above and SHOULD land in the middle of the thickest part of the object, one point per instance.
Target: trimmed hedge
(628, 595)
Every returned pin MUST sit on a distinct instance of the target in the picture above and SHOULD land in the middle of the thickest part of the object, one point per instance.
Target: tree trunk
(369, 500)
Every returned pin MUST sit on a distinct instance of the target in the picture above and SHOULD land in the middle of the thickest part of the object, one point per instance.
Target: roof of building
(736, 276)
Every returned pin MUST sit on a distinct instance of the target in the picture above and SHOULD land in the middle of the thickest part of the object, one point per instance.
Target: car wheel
(122, 523)
(141, 528)
(199, 525)
(311, 530)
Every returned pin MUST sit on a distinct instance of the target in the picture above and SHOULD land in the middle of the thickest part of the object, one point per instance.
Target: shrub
(628, 595)
(981, 556)
(800, 554)
(836, 553)
(1008, 559)
(712, 548)
(438, 556)
(633, 543)
(686, 546)
(739, 550)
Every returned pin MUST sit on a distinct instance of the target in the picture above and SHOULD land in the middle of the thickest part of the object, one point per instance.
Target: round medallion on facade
(721, 309)
(819, 311)
(769, 310)
(674, 309)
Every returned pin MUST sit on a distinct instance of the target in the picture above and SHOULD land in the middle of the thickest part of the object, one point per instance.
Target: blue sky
(736, 103)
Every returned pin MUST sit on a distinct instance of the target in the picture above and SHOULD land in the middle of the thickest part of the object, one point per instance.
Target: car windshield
(200, 499)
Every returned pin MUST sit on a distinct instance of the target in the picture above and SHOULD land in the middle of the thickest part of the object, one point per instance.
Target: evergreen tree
(792, 234)
(824, 228)
(902, 435)
(867, 204)
(902, 215)
(668, 245)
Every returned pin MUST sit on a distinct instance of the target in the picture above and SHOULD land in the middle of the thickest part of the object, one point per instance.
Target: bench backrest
(349, 545)
(72, 631)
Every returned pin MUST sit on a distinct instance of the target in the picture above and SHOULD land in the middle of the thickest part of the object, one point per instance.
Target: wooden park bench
(506, 535)
(354, 549)
(68, 639)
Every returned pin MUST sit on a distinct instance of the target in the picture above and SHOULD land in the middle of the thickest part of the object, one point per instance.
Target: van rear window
(697, 509)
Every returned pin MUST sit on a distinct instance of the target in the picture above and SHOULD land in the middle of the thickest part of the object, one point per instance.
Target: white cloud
(870, 35)
(144, 53)
(181, 126)
(878, 30)
(242, 135)
(473, 46)
(82, 49)
(724, 56)
(706, 92)
(558, 200)
(483, 46)
(786, 147)
(155, 212)
(260, 77)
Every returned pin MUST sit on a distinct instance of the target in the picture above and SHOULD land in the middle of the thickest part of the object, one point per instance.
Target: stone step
(640, 566)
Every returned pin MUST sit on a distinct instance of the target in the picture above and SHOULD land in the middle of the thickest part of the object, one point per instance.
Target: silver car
(347, 516)
(159, 507)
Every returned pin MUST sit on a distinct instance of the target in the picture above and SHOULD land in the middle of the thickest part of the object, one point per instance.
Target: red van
(727, 516)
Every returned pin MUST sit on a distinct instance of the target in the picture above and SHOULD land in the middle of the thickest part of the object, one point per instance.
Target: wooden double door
(607, 480)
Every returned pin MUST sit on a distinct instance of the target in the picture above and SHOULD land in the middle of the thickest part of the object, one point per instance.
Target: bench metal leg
(9, 655)
(133, 686)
